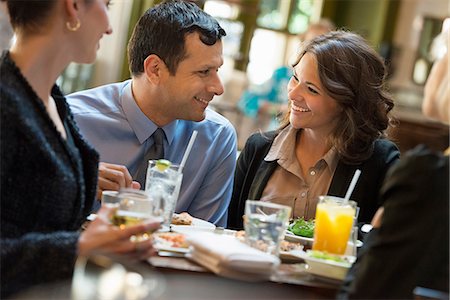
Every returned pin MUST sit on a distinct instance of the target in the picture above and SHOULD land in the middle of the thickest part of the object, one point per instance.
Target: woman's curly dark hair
(353, 74)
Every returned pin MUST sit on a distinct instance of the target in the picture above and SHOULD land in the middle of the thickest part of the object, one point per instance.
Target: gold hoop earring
(75, 27)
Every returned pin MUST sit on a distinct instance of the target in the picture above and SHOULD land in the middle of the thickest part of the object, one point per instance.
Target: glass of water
(265, 224)
(163, 184)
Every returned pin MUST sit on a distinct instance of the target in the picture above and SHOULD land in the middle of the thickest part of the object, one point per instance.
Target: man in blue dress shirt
(174, 56)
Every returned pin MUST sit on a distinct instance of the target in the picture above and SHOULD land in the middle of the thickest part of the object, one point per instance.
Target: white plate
(289, 236)
(289, 257)
(324, 267)
(197, 225)
(171, 249)
(162, 244)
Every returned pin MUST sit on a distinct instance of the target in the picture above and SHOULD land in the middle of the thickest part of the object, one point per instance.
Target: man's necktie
(156, 151)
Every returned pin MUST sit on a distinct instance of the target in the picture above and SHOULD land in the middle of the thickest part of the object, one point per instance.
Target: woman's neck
(40, 62)
(312, 143)
(309, 149)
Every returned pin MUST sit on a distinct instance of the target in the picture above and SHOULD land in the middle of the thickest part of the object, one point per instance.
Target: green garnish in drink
(163, 164)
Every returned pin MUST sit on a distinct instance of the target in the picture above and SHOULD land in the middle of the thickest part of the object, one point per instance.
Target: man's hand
(112, 177)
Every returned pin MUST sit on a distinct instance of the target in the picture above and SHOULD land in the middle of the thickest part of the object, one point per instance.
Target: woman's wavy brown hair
(354, 75)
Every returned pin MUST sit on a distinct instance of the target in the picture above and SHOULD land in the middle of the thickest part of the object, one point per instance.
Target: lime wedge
(163, 164)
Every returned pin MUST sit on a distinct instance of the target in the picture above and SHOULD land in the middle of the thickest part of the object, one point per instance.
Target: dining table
(171, 275)
(173, 278)
(184, 279)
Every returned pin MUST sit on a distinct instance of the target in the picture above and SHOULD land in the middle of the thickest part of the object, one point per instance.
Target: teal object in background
(273, 91)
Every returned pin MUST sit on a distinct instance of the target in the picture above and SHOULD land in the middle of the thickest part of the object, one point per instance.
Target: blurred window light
(300, 16)
(446, 24)
(273, 14)
(221, 9)
(263, 56)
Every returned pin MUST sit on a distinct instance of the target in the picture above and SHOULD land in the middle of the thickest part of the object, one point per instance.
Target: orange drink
(334, 222)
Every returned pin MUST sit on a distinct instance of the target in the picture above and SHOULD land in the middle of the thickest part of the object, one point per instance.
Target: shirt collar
(142, 126)
(331, 158)
(283, 144)
(283, 150)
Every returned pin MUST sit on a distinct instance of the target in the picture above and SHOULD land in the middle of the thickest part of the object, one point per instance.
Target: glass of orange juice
(334, 222)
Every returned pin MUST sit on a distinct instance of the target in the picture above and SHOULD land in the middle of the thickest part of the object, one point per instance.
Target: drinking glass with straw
(164, 183)
(334, 221)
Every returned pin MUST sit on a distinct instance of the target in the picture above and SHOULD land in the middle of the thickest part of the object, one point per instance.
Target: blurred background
(262, 35)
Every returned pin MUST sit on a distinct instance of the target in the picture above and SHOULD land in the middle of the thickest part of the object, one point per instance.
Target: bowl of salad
(301, 230)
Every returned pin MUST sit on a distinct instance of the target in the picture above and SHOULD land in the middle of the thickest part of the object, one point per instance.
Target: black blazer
(48, 185)
(252, 174)
(413, 239)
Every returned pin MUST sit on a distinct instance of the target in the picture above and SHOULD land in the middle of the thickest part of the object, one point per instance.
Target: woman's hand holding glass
(101, 237)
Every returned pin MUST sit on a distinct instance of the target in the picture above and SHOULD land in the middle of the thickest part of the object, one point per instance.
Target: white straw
(352, 185)
(188, 150)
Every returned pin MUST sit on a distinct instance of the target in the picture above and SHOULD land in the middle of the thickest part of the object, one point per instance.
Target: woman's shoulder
(423, 157)
(385, 145)
(423, 169)
(13, 86)
(258, 144)
(385, 149)
(261, 139)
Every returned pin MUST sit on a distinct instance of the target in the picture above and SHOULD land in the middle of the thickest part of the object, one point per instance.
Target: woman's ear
(71, 9)
(154, 68)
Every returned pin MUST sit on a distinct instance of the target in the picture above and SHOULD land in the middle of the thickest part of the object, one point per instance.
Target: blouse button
(312, 173)
(303, 194)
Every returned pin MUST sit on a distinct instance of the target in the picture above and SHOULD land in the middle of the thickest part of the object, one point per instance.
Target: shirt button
(303, 194)
(313, 173)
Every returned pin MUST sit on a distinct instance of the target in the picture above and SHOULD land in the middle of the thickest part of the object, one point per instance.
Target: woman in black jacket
(336, 122)
(48, 172)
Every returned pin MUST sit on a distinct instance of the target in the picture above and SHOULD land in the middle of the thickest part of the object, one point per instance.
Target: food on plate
(289, 246)
(240, 235)
(284, 245)
(302, 227)
(170, 239)
(182, 219)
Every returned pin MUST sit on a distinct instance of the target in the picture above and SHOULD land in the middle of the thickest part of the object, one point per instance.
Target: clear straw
(352, 185)
(188, 150)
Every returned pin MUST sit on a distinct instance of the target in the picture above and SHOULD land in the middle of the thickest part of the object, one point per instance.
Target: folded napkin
(227, 256)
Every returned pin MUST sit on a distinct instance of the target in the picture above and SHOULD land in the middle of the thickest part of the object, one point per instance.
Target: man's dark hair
(162, 31)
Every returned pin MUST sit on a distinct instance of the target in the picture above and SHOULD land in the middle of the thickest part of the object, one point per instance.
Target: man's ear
(154, 68)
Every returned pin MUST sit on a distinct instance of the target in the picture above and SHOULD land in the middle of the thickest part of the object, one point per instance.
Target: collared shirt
(287, 186)
(110, 119)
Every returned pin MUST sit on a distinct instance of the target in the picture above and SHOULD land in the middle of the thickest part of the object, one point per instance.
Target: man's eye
(295, 78)
(204, 72)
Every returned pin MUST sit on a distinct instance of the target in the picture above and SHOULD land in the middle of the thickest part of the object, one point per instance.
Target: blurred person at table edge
(339, 110)
(174, 55)
(48, 172)
(408, 246)
(266, 102)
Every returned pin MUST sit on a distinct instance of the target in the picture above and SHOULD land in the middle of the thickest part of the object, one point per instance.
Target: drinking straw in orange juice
(334, 221)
